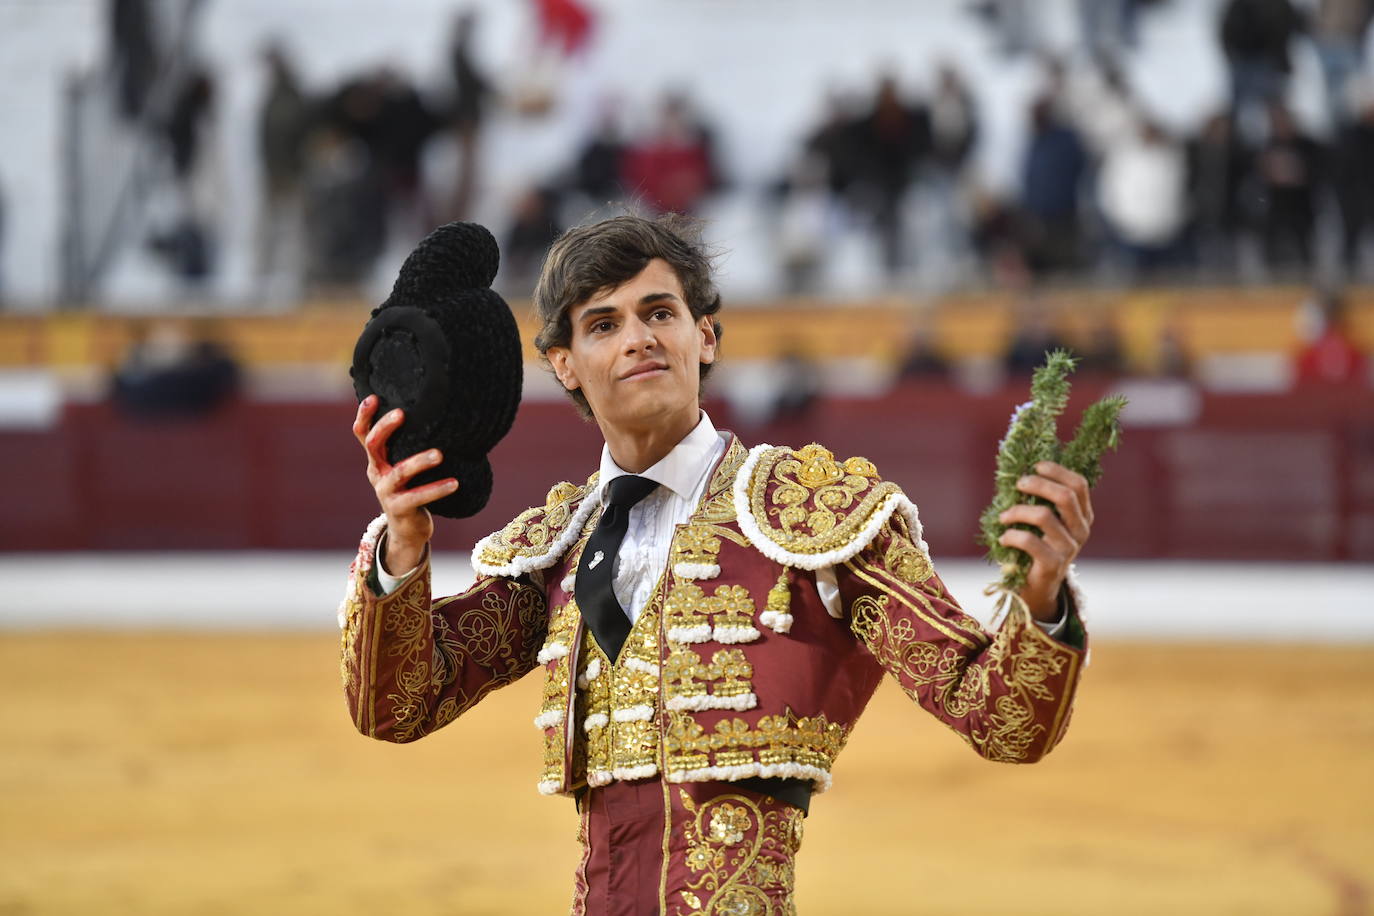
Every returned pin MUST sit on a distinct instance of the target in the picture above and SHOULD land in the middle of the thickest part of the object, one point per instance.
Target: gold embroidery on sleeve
(353, 621)
(500, 635)
(1003, 727)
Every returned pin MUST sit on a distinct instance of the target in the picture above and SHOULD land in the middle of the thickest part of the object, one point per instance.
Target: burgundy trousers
(650, 848)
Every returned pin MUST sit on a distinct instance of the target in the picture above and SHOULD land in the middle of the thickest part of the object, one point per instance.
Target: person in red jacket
(1332, 357)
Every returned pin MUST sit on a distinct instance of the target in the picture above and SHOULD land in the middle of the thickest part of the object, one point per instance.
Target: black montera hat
(444, 347)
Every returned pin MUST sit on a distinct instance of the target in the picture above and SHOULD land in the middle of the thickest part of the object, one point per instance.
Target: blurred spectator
(1014, 23)
(184, 127)
(187, 241)
(1218, 164)
(892, 140)
(601, 161)
(345, 211)
(1332, 356)
(805, 223)
(673, 169)
(953, 133)
(1102, 353)
(998, 236)
(1053, 170)
(364, 168)
(564, 24)
(1288, 166)
(1141, 191)
(953, 122)
(403, 125)
(921, 360)
(283, 120)
(798, 383)
(563, 30)
(834, 140)
(472, 94)
(1255, 35)
(133, 55)
(532, 231)
(170, 373)
(1171, 354)
(3, 227)
(1108, 26)
(1354, 180)
(1338, 33)
(1097, 101)
(1035, 336)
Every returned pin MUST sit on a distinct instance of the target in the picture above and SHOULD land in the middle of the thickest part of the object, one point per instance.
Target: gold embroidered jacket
(734, 668)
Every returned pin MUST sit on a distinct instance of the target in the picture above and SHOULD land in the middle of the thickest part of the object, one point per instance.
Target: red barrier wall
(1252, 477)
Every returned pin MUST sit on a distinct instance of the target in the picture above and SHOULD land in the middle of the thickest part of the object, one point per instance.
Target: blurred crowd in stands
(1105, 191)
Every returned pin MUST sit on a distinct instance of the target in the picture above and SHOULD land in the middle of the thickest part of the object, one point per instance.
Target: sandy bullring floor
(218, 774)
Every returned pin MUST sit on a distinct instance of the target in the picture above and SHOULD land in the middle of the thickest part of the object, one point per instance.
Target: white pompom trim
(820, 779)
(551, 718)
(696, 570)
(709, 701)
(592, 672)
(595, 720)
(639, 664)
(777, 622)
(699, 633)
(366, 556)
(895, 502)
(633, 714)
(568, 583)
(549, 786)
(643, 771)
(551, 651)
(599, 777)
(731, 635)
(521, 565)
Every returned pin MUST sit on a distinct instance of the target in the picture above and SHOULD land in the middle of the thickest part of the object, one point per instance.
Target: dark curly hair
(600, 256)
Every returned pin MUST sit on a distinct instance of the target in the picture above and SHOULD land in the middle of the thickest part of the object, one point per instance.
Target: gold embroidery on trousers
(741, 858)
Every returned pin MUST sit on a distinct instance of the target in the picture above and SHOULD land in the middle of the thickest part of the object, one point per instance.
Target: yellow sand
(214, 774)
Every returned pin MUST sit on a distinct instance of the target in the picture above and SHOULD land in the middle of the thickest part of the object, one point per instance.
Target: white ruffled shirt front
(682, 476)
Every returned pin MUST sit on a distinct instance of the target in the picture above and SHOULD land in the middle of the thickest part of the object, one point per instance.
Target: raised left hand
(1065, 526)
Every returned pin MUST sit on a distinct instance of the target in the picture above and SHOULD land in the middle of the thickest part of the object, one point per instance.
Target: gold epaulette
(803, 508)
(537, 537)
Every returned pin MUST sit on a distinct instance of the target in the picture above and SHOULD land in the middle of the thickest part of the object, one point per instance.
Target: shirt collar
(681, 469)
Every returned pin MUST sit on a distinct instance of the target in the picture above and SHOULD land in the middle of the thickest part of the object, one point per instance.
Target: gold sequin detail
(741, 857)
(816, 504)
(1001, 724)
(696, 544)
(780, 739)
(501, 634)
(532, 531)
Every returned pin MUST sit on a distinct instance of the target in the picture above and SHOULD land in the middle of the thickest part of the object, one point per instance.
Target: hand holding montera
(409, 524)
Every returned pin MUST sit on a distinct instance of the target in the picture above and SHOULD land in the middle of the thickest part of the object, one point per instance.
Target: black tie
(595, 594)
